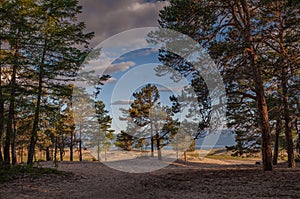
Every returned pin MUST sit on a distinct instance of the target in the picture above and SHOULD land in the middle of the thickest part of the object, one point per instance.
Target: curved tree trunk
(259, 89)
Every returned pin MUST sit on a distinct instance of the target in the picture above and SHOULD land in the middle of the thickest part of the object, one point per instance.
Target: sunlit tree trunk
(259, 89)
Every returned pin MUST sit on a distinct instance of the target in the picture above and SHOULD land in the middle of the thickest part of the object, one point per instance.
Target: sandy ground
(208, 178)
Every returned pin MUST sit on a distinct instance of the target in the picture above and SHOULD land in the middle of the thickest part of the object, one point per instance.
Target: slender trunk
(1, 157)
(177, 150)
(287, 119)
(61, 154)
(13, 147)
(259, 89)
(276, 147)
(1, 111)
(71, 147)
(33, 137)
(48, 157)
(298, 133)
(152, 142)
(55, 150)
(158, 147)
(80, 148)
(263, 121)
(11, 111)
(21, 155)
(284, 87)
(62, 148)
(98, 150)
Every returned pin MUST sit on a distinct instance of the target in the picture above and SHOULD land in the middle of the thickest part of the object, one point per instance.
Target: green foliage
(251, 48)
(41, 48)
(124, 141)
(20, 171)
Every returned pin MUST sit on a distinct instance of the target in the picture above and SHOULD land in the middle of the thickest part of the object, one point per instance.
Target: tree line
(42, 47)
(255, 45)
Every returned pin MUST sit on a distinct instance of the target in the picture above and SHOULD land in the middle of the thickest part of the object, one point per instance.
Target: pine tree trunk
(259, 89)
(21, 155)
(55, 150)
(263, 121)
(80, 148)
(33, 137)
(276, 146)
(159, 157)
(71, 146)
(152, 145)
(61, 153)
(287, 119)
(11, 110)
(298, 134)
(62, 148)
(1, 157)
(1, 112)
(48, 157)
(13, 147)
(98, 150)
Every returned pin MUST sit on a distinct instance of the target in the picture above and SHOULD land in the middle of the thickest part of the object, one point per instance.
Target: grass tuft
(20, 171)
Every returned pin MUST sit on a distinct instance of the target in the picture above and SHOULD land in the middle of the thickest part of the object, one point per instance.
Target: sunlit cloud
(122, 102)
(110, 81)
(119, 67)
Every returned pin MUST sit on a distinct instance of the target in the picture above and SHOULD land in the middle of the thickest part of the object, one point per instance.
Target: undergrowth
(22, 171)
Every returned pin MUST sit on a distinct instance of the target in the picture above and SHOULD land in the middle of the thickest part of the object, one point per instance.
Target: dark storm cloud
(109, 17)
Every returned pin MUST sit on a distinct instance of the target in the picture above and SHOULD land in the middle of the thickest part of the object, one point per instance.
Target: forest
(254, 44)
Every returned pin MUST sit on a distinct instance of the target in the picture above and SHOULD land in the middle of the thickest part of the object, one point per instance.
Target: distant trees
(139, 110)
(124, 141)
(101, 135)
(147, 120)
(244, 38)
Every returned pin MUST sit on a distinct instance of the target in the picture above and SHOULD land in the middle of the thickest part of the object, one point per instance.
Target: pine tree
(236, 35)
(101, 137)
(56, 55)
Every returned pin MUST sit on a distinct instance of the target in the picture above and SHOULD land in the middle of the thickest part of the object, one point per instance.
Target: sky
(127, 58)
(109, 17)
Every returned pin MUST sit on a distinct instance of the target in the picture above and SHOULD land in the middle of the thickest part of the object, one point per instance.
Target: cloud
(107, 17)
(122, 102)
(103, 66)
(171, 89)
(110, 81)
(119, 67)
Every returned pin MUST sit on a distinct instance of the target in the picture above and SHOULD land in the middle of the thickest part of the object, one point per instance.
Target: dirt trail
(204, 179)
